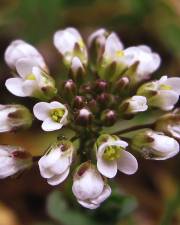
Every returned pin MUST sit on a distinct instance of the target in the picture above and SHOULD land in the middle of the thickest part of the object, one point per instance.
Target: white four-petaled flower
(112, 156)
(89, 186)
(163, 93)
(53, 114)
(55, 164)
(32, 81)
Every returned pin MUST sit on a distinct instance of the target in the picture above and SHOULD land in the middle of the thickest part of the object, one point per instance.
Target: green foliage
(116, 208)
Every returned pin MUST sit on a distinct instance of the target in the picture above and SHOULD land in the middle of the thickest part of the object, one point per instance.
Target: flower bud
(70, 44)
(55, 164)
(77, 70)
(163, 93)
(19, 49)
(83, 117)
(100, 86)
(108, 117)
(93, 106)
(32, 81)
(133, 105)
(79, 102)
(121, 85)
(154, 145)
(105, 99)
(89, 187)
(169, 124)
(14, 117)
(69, 89)
(13, 160)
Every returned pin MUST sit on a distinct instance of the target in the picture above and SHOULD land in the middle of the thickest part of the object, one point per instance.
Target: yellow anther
(165, 87)
(119, 53)
(112, 153)
(57, 114)
(31, 77)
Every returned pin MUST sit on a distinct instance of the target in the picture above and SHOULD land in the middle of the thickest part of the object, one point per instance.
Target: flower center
(119, 53)
(165, 87)
(112, 153)
(57, 114)
(31, 77)
(81, 44)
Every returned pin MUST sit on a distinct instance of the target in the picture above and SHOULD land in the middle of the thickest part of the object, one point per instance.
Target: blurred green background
(150, 197)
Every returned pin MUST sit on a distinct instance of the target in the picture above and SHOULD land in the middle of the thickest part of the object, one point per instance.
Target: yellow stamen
(57, 114)
(112, 153)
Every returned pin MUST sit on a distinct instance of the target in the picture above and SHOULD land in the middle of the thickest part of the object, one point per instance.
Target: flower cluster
(106, 88)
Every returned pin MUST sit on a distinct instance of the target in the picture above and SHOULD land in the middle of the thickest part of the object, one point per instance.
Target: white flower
(163, 93)
(55, 164)
(19, 49)
(134, 105)
(89, 186)
(111, 156)
(53, 115)
(148, 61)
(32, 81)
(13, 117)
(12, 160)
(154, 145)
(70, 43)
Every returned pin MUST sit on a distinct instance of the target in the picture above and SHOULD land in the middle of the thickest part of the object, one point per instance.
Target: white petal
(96, 34)
(88, 204)
(88, 185)
(58, 178)
(24, 66)
(56, 104)
(127, 163)
(50, 125)
(41, 110)
(15, 86)
(168, 99)
(103, 196)
(107, 168)
(29, 87)
(60, 165)
(113, 44)
(174, 82)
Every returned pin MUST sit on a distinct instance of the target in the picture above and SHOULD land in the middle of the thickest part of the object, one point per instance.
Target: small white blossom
(13, 160)
(112, 156)
(154, 145)
(19, 49)
(32, 81)
(13, 117)
(134, 105)
(70, 44)
(55, 164)
(89, 187)
(53, 114)
(163, 93)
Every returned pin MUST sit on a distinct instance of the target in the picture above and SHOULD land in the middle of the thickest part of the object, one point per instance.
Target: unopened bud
(154, 145)
(105, 99)
(109, 117)
(69, 89)
(83, 117)
(79, 102)
(100, 86)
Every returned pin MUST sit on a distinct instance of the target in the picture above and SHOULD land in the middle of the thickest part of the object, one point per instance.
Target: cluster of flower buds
(99, 93)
